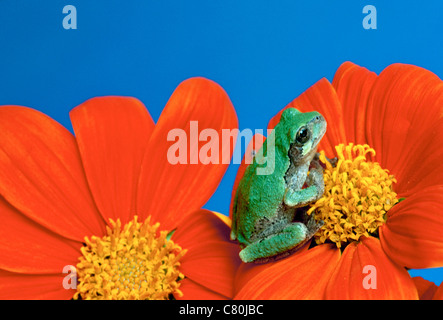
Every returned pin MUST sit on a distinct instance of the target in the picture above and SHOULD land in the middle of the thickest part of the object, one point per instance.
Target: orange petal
(412, 233)
(439, 293)
(194, 291)
(29, 248)
(321, 97)
(417, 172)
(42, 176)
(353, 85)
(170, 192)
(16, 286)
(247, 271)
(303, 276)
(365, 272)
(112, 134)
(403, 110)
(212, 259)
(254, 146)
(224, 218)
(426, 289)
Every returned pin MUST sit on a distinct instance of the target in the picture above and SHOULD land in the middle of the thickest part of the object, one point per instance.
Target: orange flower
(103, 184)
(383, 205)
(428, 290)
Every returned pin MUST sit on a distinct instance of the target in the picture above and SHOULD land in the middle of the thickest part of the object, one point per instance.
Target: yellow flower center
(358, 193)
(136, 262)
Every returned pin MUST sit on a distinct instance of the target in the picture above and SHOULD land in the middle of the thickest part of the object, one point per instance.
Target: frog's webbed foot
(311, 223)
(332, 161)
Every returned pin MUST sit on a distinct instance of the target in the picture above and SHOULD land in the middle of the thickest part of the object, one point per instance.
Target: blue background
(263, 54)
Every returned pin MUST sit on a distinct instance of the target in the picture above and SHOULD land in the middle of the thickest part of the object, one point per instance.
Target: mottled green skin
(264, 205)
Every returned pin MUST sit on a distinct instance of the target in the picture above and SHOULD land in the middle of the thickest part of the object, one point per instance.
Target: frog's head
(305, 131)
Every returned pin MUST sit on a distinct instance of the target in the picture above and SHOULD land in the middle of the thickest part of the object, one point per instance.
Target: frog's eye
(303, 135)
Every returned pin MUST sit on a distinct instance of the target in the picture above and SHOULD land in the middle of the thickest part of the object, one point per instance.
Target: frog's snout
(319, 126)
(319, 118)
(319, 121)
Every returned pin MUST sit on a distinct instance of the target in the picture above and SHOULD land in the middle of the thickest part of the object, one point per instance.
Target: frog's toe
(246, 256)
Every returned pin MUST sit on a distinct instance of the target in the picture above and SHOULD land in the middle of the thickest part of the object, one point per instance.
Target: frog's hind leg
(277, 245)
(281, 239)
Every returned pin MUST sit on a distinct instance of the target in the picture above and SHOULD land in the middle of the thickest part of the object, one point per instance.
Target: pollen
(358, 194)
(136, 262)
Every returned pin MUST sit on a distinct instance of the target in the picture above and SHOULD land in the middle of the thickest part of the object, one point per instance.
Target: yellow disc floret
(136, 262)
(358, 193)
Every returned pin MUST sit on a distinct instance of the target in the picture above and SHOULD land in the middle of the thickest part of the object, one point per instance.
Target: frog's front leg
(315, 188)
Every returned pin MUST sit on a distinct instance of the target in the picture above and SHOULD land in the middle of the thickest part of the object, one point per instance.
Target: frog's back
(258, 197)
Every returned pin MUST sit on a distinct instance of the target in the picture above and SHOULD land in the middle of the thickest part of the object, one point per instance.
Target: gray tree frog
(269, 219)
